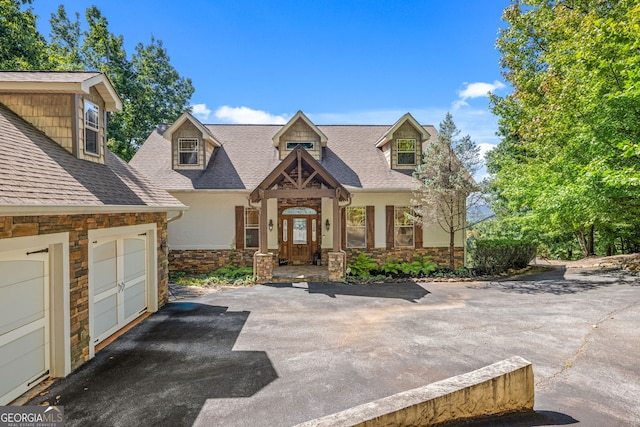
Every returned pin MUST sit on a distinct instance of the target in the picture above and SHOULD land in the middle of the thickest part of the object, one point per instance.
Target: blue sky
(339, 61)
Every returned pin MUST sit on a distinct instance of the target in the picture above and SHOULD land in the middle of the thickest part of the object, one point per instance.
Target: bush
(363, 265)
(420, 266)
(493, 256)
(222, 276)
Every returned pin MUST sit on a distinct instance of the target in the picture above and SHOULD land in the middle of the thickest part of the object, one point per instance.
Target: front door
(299, 239)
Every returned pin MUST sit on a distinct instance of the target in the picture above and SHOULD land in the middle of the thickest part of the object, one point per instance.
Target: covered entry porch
(301, 186)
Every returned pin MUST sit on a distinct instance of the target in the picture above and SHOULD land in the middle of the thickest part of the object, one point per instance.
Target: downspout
(175, 218)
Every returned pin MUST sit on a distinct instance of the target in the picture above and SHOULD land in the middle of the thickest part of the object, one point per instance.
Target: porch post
(263, 227)
(337, 225)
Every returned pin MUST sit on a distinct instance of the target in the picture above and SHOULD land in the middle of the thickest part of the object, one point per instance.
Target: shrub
(492, 256)
(419, 266)
(363, 265)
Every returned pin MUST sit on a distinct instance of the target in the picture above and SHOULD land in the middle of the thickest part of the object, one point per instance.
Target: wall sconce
(327, 225)
(270, 225)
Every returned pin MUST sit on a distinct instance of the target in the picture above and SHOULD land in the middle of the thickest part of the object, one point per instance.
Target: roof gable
(61, 82)
(388, 136)
(187, 116)
(298, 160)
(299, 116)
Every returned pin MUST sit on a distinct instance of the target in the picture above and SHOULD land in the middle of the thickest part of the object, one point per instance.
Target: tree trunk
(583, 244)
(452, 243)
(590, 241)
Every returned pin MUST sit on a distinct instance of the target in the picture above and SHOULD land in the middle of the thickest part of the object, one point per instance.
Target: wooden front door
(299, 238)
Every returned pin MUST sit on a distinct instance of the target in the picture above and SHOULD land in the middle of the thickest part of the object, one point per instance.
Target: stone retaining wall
(501, 388)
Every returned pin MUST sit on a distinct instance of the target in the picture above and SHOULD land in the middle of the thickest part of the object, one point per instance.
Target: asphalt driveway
(281, 354)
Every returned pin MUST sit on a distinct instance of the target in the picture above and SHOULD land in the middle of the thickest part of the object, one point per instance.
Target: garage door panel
(134, 299)
(23, 359)
(106, 315)
(104, 264)
(21, 303)
(134, 258)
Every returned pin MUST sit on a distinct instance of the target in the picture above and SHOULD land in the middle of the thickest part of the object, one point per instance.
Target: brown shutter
(389, 219)
(239, 227)
(417, 230)
(371, 224)
(343, 222)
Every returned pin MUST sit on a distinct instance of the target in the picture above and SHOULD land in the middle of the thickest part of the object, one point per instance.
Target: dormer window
(307, 145)
(188, 151)
(91, 127)
(406, 149)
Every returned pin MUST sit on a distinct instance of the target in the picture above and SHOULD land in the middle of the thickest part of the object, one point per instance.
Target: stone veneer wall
(78, 227)
(439, 255)
(202, 261)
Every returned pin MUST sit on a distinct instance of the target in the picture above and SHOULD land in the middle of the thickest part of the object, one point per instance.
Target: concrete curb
(504, 387)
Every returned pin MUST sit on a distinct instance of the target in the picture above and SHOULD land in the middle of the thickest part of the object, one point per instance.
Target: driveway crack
(585, 342)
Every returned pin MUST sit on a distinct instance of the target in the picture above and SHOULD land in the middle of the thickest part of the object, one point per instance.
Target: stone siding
(202, 261)
(78, 227)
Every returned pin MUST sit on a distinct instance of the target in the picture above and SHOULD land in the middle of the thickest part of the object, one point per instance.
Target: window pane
(356, 216)
(189, 145)
(252, 238)
(91, 115)
(299, 231)
(356, 237)
(252, 218)
(406, 145)
(406, 158)
(188, 158)
(404, 236)
(91, 141)
(401, 216)
(307, 145)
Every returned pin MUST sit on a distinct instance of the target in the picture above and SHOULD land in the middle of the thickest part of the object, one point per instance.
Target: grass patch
(227, 275)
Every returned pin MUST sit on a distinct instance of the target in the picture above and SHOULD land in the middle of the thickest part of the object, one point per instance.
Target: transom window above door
(299, 211)
(307, 145)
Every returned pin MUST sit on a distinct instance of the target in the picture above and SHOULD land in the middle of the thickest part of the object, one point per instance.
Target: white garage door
(119, 284)
(24, 321)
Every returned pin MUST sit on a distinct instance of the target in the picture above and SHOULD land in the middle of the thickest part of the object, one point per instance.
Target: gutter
(29, 210)
(175, 218)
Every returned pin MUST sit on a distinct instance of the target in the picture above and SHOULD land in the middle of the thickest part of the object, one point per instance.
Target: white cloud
(478, 89)
(485, 147)
(201, 112)
(247, 115)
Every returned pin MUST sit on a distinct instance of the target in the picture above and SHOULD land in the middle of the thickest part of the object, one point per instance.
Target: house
(298, 193)
(83, 236)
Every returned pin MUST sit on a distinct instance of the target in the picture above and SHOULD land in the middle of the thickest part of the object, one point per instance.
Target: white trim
(195, 150)
(59, 294)
(13, 210)
(151, 231)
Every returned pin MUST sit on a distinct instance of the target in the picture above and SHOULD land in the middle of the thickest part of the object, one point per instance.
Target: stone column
(337, 262)
(263, 267)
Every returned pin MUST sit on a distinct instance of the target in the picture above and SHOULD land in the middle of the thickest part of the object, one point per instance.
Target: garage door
(24, 321)
(119, 283)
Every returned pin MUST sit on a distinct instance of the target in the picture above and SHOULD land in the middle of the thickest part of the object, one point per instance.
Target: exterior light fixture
(270, 225)
(327, 224)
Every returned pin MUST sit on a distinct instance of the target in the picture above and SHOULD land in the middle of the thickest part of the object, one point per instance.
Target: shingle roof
(248, 155)
(34, 170)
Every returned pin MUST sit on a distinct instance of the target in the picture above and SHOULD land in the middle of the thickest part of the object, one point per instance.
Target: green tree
(568, 160)
(445, 181)
(22, 47)
(151, 88)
